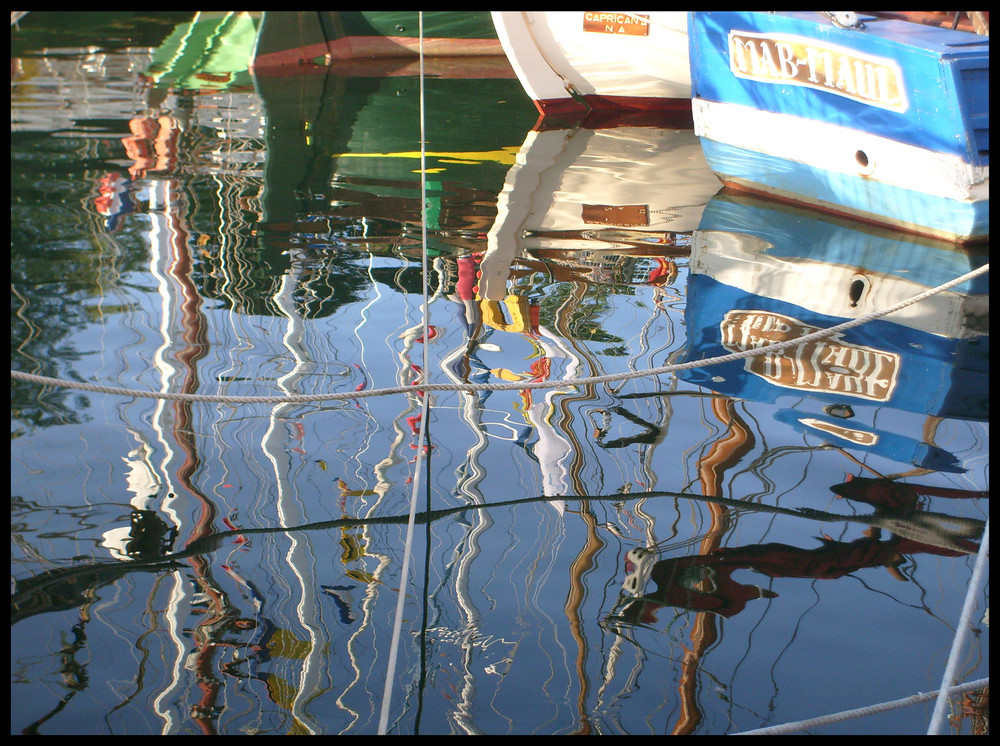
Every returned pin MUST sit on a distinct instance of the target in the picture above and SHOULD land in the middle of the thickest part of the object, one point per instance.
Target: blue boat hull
(865, 199)
(888, 123)
(762, 272)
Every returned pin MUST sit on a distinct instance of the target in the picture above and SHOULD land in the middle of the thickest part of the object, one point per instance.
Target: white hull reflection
(587, 192)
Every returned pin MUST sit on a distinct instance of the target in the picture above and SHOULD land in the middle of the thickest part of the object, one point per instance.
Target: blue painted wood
(909, 209)
(931, 382)
(945, 75)
(938, 376)
(799, 232)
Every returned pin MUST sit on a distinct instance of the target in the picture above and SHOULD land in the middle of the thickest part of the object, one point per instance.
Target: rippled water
(645, 555)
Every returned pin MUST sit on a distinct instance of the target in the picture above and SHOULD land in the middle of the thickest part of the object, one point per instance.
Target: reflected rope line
(515, 386)
(76, 577)
(424, 413)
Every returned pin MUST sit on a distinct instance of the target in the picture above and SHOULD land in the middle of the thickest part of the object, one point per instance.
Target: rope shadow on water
(66, 587)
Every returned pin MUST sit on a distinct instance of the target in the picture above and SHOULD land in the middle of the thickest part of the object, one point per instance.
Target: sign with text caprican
(607, 22)
(793, 60)
(828, 365)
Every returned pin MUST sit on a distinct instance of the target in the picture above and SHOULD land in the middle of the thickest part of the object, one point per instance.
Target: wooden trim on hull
(597, 102)
(794, 199)
(450, 68)
(601, 119)
(569, 113)
(358, 48)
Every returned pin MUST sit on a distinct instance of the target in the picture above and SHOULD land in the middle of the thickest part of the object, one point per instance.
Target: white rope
(939, 718)
(778, 730)
(390, 675)
(515, 386)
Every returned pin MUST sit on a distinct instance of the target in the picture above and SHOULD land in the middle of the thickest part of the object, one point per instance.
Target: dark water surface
(652, 554)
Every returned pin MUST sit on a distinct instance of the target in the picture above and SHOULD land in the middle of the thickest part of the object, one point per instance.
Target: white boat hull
(570, 62)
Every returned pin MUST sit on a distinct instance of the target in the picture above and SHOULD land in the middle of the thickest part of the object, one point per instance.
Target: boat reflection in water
(763, 273)
(885, 392)
(613, 195)
(244, 562)
(596, 207)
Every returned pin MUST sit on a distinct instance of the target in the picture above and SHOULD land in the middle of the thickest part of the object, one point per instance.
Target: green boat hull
(321, 38)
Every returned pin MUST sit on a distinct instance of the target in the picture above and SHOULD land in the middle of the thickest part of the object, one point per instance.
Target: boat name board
(793, 60)
(615, 214)
(823, 366)
(615, 23)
